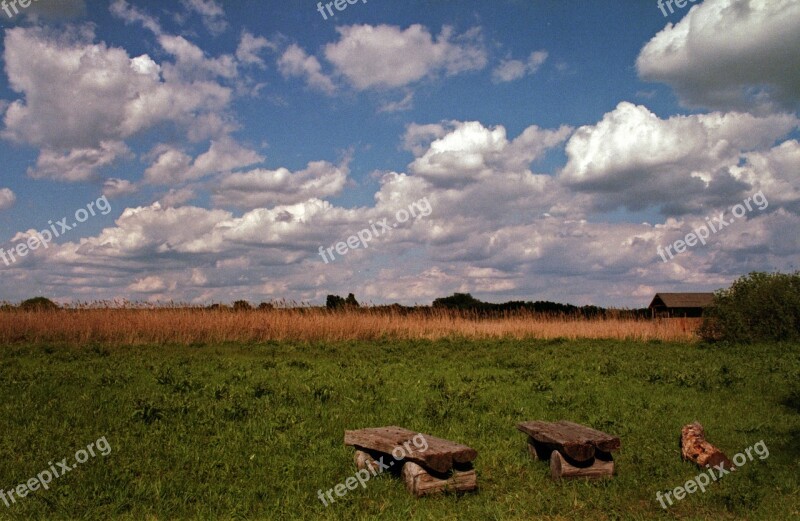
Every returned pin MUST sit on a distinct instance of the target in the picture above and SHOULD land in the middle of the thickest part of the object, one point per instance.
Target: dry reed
(192, 325)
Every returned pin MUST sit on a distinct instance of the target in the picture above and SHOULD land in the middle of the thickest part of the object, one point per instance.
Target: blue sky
(559, 145)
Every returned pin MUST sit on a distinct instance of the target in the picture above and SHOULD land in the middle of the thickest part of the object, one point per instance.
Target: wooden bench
(574, 451)
(427, 464)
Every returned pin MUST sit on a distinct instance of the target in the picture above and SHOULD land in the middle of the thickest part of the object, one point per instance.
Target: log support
(421, 482)
(599, 467)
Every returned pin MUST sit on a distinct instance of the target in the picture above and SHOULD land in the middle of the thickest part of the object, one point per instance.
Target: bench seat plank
(573, 440)
(441, 455)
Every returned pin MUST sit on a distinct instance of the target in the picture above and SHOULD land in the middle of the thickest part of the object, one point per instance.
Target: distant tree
(266, 306)
(351, 301)
(38, 304)
(334, 302)
(757, 307)
(242, 305)
(219, 307)
(458, 301)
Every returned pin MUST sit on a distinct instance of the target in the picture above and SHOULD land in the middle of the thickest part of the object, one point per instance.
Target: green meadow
(240, 431)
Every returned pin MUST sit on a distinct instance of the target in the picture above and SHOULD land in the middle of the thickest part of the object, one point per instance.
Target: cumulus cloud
(177, 197)
(79, 94)
(77, 164)
(267, 188)
(407, 103)
(211, 12)
(115, 187)
(498, 229)
(191, 63)
(418, 137)
(124, 11)
(471, 152)
(172, 166)
(250, 47)
(7, 198)
(384, 56)
(511, 70)
(730, 55)
(634, 159)
(774, 171)
(295, 62)
(150, 284)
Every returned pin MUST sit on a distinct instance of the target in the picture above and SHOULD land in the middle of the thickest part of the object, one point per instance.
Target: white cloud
(124, 11)
(7, 198)
(79, 94)
(150, 284)
(114, 187)
(173, 166)
(268, 188)
(384, 56)
(774, 171)
(77, 164)
(193, 64)
(730, 55)
(294, 62)
(177, 197)
(511, 70)
(418, 138)
(634, 159)
(407, 103)
(471, 152)
(211, 12)
(249, 48)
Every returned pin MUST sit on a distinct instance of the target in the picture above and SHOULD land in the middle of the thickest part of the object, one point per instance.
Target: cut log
(600, 467)
(365, 460)
(538, 451)
(421, 482)
(575, 441)
(430, 452)
(694, 447)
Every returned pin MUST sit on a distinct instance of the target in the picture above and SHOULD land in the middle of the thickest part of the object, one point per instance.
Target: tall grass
(180, 325)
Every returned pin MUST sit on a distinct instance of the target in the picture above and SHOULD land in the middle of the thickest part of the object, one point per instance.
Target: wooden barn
(680, 304)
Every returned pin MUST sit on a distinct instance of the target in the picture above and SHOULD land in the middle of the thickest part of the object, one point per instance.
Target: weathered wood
(365, 460)
(694, 447)
(436, 454)
(421, 482)
(601, 466)
(539, 451)
(578, 442)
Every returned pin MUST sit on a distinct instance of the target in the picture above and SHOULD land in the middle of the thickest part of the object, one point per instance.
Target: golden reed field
(197, 325)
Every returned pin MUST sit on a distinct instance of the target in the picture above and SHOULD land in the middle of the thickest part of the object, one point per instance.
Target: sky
(204, 151)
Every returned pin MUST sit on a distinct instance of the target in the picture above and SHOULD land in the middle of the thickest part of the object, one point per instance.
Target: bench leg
(365, 460)
(538, 451)
(421, 482)
(602, 466)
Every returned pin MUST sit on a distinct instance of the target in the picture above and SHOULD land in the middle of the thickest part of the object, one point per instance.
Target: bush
(757, 307)
(335, 302)
(38, 304)
(242, 305)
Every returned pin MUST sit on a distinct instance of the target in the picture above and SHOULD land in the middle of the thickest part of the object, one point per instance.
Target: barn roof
(683, 300)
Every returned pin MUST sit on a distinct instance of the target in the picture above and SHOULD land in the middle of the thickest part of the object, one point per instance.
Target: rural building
(680, 304)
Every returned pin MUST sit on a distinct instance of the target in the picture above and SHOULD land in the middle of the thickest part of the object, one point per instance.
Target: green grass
(252, 432)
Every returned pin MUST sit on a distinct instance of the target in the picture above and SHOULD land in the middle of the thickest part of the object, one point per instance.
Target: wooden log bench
(427, 464)
(574, 451)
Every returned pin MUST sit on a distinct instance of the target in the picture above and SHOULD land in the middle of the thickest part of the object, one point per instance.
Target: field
(179, 325)
(201, 427)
